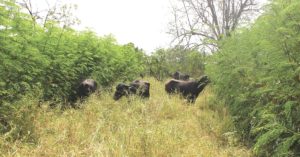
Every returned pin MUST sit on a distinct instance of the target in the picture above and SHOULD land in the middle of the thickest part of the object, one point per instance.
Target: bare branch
(205, 22)
(59, 13)
(28, 6)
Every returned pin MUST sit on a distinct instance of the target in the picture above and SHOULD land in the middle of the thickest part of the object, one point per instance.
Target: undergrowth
(161, 126)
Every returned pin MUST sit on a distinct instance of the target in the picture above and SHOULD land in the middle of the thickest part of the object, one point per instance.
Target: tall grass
(161, 126)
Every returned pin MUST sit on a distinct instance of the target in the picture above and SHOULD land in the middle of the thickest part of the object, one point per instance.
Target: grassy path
(160, 126)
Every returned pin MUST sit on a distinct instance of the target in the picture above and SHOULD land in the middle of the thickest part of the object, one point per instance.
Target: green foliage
(256, 73)
(17, 119)
(55, 59)
(164, 63)
(159, 126)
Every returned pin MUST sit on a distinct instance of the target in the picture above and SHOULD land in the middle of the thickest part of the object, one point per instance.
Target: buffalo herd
(181, 84)
(137, 87)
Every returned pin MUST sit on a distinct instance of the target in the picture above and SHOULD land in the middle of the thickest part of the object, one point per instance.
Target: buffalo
(84, 89)
(138, 87)
(188, 89)
(180, 76)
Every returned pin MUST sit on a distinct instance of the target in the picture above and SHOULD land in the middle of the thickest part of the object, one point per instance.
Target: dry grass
(161, 126)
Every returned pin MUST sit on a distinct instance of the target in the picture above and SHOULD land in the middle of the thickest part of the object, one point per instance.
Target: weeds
(160, 126)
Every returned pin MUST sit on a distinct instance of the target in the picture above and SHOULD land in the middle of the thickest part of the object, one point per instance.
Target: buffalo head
(122, 90)
(86, 87)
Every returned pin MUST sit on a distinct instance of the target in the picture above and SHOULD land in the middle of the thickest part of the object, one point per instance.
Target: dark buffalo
(86, 87)
(180, 76)
(189, 89)
(138, 87)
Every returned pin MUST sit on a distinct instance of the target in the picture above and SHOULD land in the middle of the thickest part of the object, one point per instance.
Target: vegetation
(160, 126)
(254, 94)
(164, 62)
(257, 75)
(54, 59)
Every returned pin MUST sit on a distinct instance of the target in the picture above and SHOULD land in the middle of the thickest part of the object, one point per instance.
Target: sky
(142, 22)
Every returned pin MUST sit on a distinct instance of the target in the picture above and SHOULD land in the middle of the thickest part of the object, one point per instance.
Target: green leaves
(164, 62)
(284, 148)
(257, 75)
(267, 140)
(56, 58)
(53, 60)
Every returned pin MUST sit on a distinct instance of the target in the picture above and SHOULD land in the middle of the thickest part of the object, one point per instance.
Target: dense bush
(18, 119)
(257, 73)
(56, 58)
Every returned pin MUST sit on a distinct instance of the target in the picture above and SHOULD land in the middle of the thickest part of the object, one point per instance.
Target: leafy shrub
(17, 119)
(257, 74)
(56, 58)
(164, 62)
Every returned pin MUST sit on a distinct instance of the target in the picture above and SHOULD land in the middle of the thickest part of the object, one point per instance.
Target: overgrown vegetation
(55, 59)
(160, 126)
(257, 74)
(164, 62)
